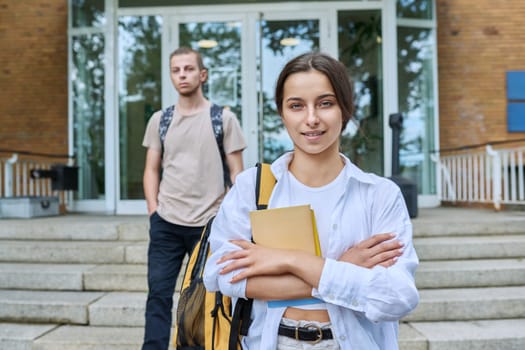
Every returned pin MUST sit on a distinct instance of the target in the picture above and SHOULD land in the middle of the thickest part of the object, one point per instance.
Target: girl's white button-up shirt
(364, 304)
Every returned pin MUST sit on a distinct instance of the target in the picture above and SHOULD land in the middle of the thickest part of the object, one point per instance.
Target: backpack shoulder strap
(216, 123)
(241, 315)
(264, 186)
(164, 124)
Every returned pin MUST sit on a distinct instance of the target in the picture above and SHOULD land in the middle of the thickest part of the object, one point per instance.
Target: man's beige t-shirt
(192, 184)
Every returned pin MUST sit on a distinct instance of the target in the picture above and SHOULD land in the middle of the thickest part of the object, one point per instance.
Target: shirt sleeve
(381, 294)
(151, 135)
(231, 223)
(233, 136)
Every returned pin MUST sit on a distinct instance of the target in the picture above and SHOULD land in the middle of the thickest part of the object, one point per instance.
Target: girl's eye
(295, 106)
(326, 104)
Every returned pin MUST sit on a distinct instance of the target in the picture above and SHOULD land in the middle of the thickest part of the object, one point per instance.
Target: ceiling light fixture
(207, 44)
(290, 42)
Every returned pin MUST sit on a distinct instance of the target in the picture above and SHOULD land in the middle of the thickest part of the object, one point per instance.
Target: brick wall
(33, 75)
(478, 41)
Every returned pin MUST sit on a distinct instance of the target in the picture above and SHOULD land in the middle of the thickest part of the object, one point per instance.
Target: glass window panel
(87, 13)
(360, 49)
(139, 62)
(415, 9)
(88, 113)
(281, 41)
(141, 3)
(220, 46)
(417, 103)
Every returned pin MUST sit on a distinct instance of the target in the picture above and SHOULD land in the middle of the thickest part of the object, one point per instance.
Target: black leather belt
(311, 333)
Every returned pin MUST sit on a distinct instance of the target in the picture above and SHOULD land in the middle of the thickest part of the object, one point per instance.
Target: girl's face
(311, 113)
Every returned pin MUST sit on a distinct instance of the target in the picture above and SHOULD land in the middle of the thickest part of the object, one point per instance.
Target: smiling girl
(364, 279)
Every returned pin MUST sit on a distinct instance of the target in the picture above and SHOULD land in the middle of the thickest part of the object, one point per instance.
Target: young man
(189, 191)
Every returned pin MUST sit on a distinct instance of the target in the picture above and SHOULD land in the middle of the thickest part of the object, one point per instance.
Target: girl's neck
(316, 170)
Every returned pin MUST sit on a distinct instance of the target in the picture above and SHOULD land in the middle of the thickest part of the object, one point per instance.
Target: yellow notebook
(286, 228)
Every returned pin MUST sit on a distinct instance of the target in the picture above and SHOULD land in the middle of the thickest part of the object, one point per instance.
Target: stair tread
(471, 281)
(478, 330)
(472, 294)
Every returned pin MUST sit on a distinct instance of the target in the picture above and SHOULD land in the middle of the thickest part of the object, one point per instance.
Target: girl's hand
(376, 250)
(254, 260)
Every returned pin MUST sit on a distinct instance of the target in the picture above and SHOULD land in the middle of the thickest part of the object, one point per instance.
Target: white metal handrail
(16, 180)
(482, 176)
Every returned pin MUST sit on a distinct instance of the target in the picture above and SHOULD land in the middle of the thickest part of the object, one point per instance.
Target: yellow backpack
(205, 319)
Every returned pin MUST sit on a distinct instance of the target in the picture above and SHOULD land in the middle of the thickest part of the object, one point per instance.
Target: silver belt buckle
(317, 328)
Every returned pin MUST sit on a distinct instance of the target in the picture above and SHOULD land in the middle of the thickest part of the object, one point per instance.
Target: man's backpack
(205, 319)
(216, 123)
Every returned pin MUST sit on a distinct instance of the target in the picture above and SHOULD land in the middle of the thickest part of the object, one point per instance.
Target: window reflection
(220, 46)
(417, 103)
(360, 49)
(281, 41)
(88, 113)
(140, 80)
(87, 13)
(416, 9)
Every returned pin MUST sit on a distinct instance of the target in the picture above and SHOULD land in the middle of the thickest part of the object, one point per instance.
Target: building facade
(83, 77)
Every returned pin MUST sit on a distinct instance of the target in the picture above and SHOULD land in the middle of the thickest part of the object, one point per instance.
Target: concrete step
(462, 304)
(443, 221)
(121, 309)
(17, 336)
(473, 335)
(43, 276)
(135, 252)
(470, 273)
(74, 252)
(68, 337)
(53, 337)
(46, 307)
(117, 278)
(77, 227)
(113, 277)
(133, 277)
(482, 247)
(117, 309)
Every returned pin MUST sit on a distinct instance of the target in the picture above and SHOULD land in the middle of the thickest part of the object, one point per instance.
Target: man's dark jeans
(167, 246)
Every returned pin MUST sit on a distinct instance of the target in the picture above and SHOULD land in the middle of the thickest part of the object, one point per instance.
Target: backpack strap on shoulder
(164, 124)
(264, 186)
(243, 308)
(216, 123)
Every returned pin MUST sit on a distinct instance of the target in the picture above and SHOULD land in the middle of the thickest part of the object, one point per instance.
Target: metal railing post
(496, 177)
(9, 175)
(443, 175)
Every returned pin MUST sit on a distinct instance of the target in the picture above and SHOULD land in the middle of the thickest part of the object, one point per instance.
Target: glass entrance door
(360, 49)
(219, 42)
(279, 40)
(244, 56)
(244, 52)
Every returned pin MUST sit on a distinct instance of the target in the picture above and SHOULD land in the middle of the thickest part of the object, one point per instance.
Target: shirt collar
(280, 166)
